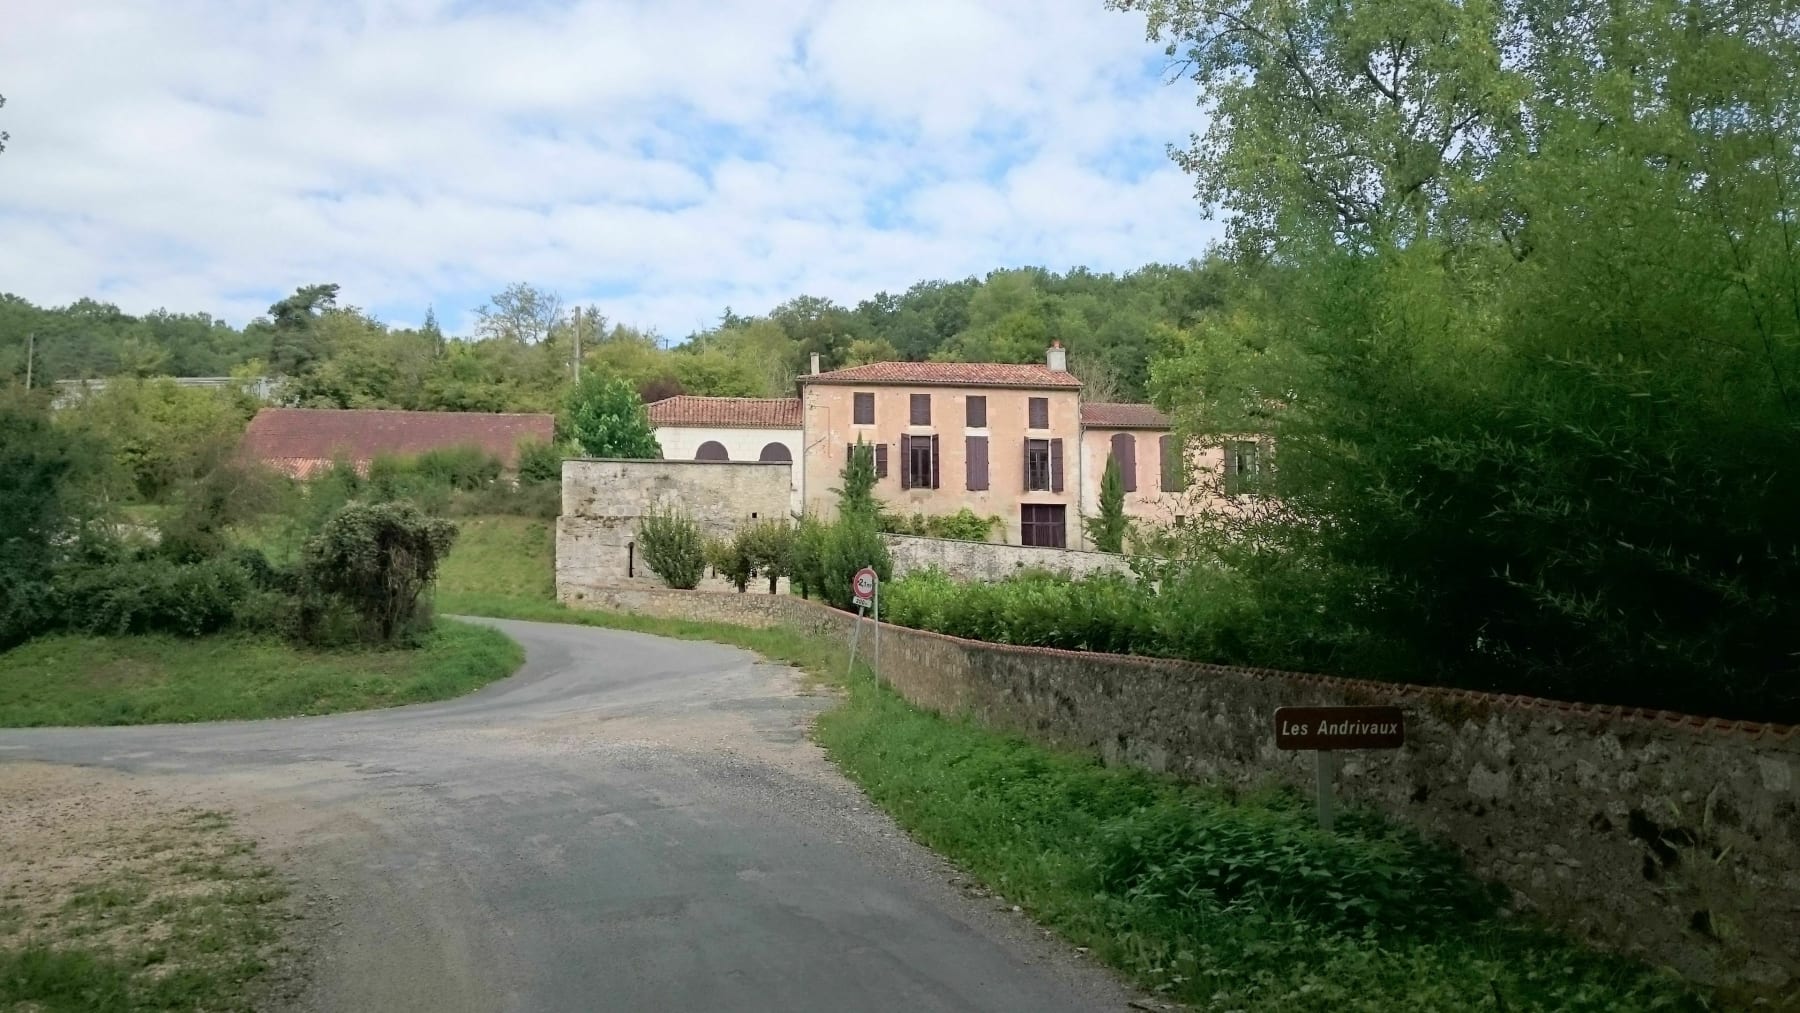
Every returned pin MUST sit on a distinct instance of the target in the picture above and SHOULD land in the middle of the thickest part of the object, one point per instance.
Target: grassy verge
(512, 556)
(164, 911)
(79, 680)
(1222, 901)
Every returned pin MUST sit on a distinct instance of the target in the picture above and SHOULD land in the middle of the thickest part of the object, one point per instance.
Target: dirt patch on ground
(133, 883)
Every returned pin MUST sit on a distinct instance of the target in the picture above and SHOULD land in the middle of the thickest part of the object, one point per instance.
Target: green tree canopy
(606, 417)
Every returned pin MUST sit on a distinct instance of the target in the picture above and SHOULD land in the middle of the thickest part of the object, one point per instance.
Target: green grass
(83, 680)
(151, 928)
(513, 556)
(1223, 902)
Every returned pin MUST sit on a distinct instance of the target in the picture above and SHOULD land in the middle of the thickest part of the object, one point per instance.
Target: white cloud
(660, 159)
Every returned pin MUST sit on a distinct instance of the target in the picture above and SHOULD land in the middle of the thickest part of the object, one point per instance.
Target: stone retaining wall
(1672, 838)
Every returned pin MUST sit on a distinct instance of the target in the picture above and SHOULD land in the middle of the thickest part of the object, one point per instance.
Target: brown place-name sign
(1339, 728)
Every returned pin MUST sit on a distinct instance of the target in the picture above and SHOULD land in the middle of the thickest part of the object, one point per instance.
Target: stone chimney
(815, 363)
(1057, 357)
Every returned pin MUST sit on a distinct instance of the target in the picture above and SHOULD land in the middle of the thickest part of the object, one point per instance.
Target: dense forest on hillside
(520, 356)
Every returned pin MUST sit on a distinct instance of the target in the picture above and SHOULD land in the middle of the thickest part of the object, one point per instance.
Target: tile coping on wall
(1495, 701)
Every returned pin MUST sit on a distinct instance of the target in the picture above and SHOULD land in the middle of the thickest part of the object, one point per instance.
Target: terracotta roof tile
(955, 374)
(727, 412)
(1112, 415)
(301, 440)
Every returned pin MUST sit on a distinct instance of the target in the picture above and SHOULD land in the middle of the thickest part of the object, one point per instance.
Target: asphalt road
(629, 823)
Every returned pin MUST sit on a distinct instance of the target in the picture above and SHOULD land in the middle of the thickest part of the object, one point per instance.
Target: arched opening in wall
(711, 450)
(1124, 450)
(776, 453)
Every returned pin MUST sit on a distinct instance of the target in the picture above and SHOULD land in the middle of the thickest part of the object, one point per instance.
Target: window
(921, 409)
(918, 462)
(711, 450)
(863, 409)
(1174, 469)
(1043, 465)
(1124, 451)
(776, 453)
(1037, 412)
(976, 412)
(1241, 466)
(975, 458)
(1043, 524)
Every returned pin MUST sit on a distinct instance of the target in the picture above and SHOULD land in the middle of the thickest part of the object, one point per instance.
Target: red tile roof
(302, 440)
(727, 412)
(1113, 415)
(953, 374)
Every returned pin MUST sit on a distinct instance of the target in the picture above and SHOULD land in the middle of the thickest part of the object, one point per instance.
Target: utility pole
(577, 344)
(30, 352)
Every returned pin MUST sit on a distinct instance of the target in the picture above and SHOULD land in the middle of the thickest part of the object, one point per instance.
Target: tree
(856, 497)
(607, 419)
(1514, 303)
(39, 465)
(293, 342)
(519, 313)
(1108, 529)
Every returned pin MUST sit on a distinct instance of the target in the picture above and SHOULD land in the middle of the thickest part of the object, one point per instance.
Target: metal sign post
(1326, 729)
(865, 593)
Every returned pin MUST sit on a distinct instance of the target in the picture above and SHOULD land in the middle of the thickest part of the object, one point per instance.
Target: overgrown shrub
(379, 559)
(153, 595)
(540, 500)
(964, 525)
(540, 462)
(672, 547)
(825, 557)
(458, 467)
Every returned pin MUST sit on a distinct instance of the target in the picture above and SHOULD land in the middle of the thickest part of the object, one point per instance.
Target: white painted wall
(681, 443)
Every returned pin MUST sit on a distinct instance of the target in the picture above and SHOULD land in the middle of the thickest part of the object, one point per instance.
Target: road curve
(628, 823)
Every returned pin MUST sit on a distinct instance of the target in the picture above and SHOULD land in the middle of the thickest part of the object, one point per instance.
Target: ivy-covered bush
(964, 525)
(379, 560)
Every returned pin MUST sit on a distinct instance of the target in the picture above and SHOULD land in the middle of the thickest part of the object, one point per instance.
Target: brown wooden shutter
(1037, 413)
(881, 460)
(936, 460)
(1056, 469)
(1124, 451)
(849, 453)
(1026, 470)
(976, 415)
(921, 409)
(976, 462)
(863, 409)
(905, 461)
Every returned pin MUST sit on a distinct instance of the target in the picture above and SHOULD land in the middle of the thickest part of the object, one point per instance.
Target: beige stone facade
(1007, 440)
(936, 466)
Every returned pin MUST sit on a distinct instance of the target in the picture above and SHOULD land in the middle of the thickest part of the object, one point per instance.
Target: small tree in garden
(607, 418)
(379, 559)
(540, 462)
(673, 547)
(769, 546)
(730, 559)
(1109, 527)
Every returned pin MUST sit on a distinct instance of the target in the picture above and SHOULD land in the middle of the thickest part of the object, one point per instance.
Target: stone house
(1012, 440)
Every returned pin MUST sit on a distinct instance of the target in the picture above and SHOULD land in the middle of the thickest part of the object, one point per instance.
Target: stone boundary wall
(990, 561)
(1665, 836)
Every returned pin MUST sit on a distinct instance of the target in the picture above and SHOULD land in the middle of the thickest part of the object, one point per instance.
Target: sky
(661, 160)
